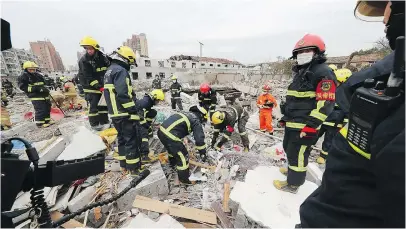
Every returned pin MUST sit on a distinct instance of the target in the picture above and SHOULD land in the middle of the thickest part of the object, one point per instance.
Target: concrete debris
(143, 221)
(265, 198)
(82, 199)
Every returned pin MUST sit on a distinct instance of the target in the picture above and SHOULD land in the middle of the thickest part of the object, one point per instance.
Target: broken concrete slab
(83, 144)
(82, 199)
(240, 220)
(142, 221)
(62, 203)
(19, 130)
(48, 150)
(155, 185)
(265, 198)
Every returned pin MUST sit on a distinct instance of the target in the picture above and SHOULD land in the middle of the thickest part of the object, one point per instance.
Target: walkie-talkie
(373, 102)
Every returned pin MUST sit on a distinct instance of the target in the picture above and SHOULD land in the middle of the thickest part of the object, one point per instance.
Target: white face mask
(304, 58)
(174, 81)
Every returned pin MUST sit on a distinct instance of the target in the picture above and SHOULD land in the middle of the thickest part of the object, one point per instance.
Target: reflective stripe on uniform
(346, 120)
(135, 117)
(129, 104)
(226, 136)
(185, 165)
(201, 147)
(101, 69)
(316, 112)
(109, 86)
(344, 132)
(295, 125)
(39, 121)
(120, 158)
(132, 161)
(324, 152)
(118, 115)
(167, 132)
(112, 99)
(332, 124)
(207, 99)
(93, 82)
(33, 99)
(301, 94)
(243, 133)
(145, 139)
(103, 112)
(93, 114)
(143, 122)
(129, 88)
(300, 160)
(92, 91)
(216, 130)
(149, 119)
(29, 88)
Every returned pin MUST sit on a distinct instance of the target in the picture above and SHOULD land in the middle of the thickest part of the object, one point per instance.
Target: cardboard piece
(175, 210)
(70, 224)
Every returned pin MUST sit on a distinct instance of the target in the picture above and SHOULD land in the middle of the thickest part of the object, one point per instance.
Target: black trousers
(42, 107)
(128, 143)
(144, 147)
(176, 101)
(97, 114)
(178, 156)
(329, 133)
(297, 150)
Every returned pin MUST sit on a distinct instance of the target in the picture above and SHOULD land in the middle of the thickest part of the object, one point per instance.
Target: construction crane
(201, 48)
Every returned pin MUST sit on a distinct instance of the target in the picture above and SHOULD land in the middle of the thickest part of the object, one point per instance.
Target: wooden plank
(194, 225)
(225, 222)
(226, 198)
(210, 167)
(175, 210)
(70, 224)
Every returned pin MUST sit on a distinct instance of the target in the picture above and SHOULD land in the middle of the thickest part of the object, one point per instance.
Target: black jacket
(187, 122)
(357, 191)
(33, 84)
(207, 99)
(142, 107)
(92, 70)
(301, 108)
(156, 83)
(232, 115)
(118, 91)
(336, 118)
(176, 89)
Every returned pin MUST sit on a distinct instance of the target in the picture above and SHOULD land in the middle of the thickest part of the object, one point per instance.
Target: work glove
(281, 124)
(203, 155)
(229, 129)
(308, 132)
(97, 86)
(101, 89)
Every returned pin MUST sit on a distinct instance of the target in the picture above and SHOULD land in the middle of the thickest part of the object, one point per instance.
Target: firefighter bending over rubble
(335, 121)
(119, 96)
(174, 129)
(310, 98)
(33, 84)
(207, 98)
(225, 120)
(144, 109)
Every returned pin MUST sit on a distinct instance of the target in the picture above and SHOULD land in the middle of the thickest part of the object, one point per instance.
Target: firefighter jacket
(33, 85)
(118, 91)
(47, 81)
(336, 118)
(181, 124)
(92, 70)
(142, 107)
(379, 173)
(156, 83)
(207, 100)
(267, 101)
(301, 108)
(176, 89)
(232, 115)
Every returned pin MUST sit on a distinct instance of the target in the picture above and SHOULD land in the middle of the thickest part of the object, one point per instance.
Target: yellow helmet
(174, 77)
(127, 53)
(157, 94)
(89, 41)
(29, 64)
(343, 74)
(217, 117)
(333, 67)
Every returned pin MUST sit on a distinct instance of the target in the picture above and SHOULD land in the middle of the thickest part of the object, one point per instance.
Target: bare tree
(382, 44)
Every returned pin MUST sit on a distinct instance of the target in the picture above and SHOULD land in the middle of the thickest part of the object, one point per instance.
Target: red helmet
(204, 88)
(266, 87)
(310, 41)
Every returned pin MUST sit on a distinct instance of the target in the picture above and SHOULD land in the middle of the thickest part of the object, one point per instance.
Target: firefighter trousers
(98, 115)
(178, 156)
(329, 133)
(297, 150)
(42, 107)
(144, 146)
(177, 101)
(265, 120)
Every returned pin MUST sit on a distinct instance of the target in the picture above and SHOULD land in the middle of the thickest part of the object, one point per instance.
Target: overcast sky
(246, 31)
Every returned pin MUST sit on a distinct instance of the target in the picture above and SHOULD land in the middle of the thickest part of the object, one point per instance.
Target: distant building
(138, 43)
(48, 56)
(13, 59)
(357, 61)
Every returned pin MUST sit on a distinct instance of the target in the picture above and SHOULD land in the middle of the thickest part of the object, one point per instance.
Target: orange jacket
(265, 99)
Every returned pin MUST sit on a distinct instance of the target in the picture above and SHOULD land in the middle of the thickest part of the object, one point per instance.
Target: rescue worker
(309, 100)
(92, 67)
(156, 83)
(266, 102)
(80, 88)
(224, 122)
(120, 103)
(335, 121)
(144, 109)
(33, 85)
(8, 87)
(47, 80)
(207, 98)
(58, 82)
(366, 188)
(176, 89)
(174, 129)
(71, 95)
